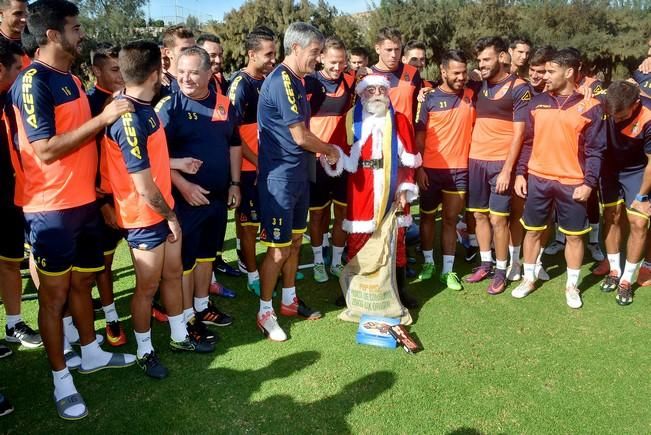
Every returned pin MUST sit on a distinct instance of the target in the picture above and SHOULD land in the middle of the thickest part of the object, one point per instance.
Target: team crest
(466, 100)
(406, 77)
(276, 233)
(636, 128)
(221, 110)
(526, 96)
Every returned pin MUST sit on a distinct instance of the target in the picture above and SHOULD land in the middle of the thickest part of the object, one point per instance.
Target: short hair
(199, 52)
(333, 42)
(359, 51)
(8, 52)
(103, 52)
(47, 15)
(621, 95)
(254, 39)
(498, 44)
(413, 45)
(388, 33)
(453, 55)
(208, 37)
(171, 33)
(519, 40)
(138, 60)
(29, 43)
(302, 34)
(7, 3)
(542, 55)
(567, 58)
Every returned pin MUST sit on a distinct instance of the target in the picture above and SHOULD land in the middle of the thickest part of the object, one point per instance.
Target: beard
(377, 105)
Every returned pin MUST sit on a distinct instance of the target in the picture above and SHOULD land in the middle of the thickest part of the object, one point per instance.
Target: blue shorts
(64, 240)
(148, 238)
(203, 229)
(450, 181)
(283, 210)
(545, 196)
(620, 187)
(482, 177)
(249, 209)
(328, 189)
(12, 245)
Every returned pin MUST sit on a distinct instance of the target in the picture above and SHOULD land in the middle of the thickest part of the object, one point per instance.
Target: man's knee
(499, 221)
(638, 225)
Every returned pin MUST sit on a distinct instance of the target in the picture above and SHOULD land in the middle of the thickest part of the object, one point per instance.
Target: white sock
(66, 344)
(265, 306)
(486, 256)
(629, 271)
(201, 304)
(318, 254)
(238, 244)
(594, 233)
(615, 263)
(337, 252)
(472, 239)
(110, 313)
(572, 277)
(252, 276)
(448, 263)
(178, 331)
(326, 240)
(560, 237)
(92, 356)
(143, 339)
(540, 254)
(514, 254)
(64, 387)
(288, 295)
(501, 264)
(12, 320)
(188, 313)
(429, 256)
(529, 272)
(70, 330)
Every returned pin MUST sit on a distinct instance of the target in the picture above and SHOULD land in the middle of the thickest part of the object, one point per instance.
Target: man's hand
(645, 67)
(164, 80)
(474, 75)
(586, 91)
(115, 109)
(332, 156)
(194, 194)
(401, 199)
(363, 71)
(642, 207)
(175, 228)
(188, 165)
(520, 186)
(582, 193)
(234, 197)
(422, 179)
(423, 93)
(108, 213)
(503, 181)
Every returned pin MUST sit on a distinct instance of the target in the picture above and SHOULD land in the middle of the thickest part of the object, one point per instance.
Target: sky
(177, 10)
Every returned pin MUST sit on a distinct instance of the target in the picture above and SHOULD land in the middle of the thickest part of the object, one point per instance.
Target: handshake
(332, 154)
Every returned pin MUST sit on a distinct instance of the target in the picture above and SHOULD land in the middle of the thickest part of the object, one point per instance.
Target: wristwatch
(641, 198)
(235, 183)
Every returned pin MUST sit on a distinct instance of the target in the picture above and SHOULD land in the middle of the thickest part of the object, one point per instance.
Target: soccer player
(330, 92)
(14, 15)
(625, 185)
(175, 39)
(539, 58)
(565, 140)
(213, 46)
(519, 50)
(414, 54)
(443, 135)
(358, 57)
(138, 169)
(59, 157)
(105, 67)
(284, 171)
(243, 93)
(501, 103)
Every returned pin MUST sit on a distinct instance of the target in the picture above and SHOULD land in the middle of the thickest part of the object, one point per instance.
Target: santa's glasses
(372, 90)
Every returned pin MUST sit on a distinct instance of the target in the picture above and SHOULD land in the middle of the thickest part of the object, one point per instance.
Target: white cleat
(514, 272)
(573, 297)
(554, 248)
(595, 252)
(523, 289)
(268, 324)
(541, 273)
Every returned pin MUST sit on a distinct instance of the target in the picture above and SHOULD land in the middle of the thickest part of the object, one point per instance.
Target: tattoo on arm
(160, 206)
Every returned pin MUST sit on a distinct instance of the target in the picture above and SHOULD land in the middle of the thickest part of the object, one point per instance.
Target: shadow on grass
(464, 431)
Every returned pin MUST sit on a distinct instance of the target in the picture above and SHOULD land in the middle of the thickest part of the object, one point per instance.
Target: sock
(12, 320)
(594, 233)
(238, 244)
(501, 264)
(646, 264)
(486, 256)
(64, 387)
(615, 262)
(92, 356)
(448, 263)
(337, 252)
(143, 339)
(200, 304)
(529, 272)
(560, 237)
(629, 271)
(572, 277)
(472, 239)
(326, 240)
(252, 276)
(178, 331)
(318, 254)
(514, 253)
(429, 256)
(288, 295)
(188, 313)
(265, 306)
(540, 254)
(110, 314)
(70, 330)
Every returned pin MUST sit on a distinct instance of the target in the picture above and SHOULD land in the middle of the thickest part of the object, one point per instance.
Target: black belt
(371, 164)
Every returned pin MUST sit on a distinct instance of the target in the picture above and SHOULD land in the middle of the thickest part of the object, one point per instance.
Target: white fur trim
(372, 80)
(339, 166)
(405, 220)
(411, 189)
(407, 159)
(363, 227)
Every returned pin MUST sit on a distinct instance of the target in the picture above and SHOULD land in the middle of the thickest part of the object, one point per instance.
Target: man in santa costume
(381, 162)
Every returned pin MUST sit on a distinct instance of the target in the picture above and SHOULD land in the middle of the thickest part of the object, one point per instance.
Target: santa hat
(371, 80)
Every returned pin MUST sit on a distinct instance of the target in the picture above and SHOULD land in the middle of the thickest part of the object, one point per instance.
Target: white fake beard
(377, 106)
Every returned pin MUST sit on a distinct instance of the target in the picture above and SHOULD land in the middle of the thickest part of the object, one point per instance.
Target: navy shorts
(203, 229)
(283, 210)
(482, 177)
(450, 181)
(620, 187)
(64, 240)
(12, 245)
(148, 238)
(328, 189)
(249, 209)
(545, 196)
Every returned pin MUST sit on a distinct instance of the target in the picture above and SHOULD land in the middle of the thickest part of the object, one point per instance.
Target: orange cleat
(115, 334)
(644, 276)
(602, 269)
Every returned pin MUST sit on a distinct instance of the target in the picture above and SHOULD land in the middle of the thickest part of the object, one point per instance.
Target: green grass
(491, 364)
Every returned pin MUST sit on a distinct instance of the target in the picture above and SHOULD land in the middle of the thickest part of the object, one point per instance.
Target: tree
(192, 23)
(112, 20)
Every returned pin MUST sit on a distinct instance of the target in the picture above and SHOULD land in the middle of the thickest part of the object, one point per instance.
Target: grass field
(491, 364)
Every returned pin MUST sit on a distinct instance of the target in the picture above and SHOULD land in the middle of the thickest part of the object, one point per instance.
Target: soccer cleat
(471, 253)
(219, 289)
(222, 267)
(5, 406)
(542, 273)
(480, 273)
(299, 309)
(595, 252)
(336, 270)
(241, 266)
(602, 269)
(268, 325)
(523, 289)
(644, 276)
(152, 366)
(427, 271)
(410, 272)
(573, 297)
(192, 345)
(514, 272)
(212, 316)
(610, 283)
(498, 283)
(624, 293)
(23, 334)
(5, 351)
(451, 280)
(554, 248)
(115, 334)
(320, 274)
(299, 276)
(198, 331)
(254, 287)
(158, 312)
